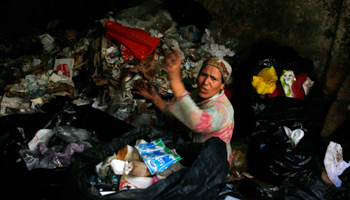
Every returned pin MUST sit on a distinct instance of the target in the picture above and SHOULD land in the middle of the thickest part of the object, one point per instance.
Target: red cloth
(278, 90)
(138, 41)
(297, 87)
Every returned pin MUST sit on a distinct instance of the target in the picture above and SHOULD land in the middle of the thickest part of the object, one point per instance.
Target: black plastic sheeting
(272, 158)
(313, 187)
(306, 188)
(244, 189)
(17, 130)
(199, 180)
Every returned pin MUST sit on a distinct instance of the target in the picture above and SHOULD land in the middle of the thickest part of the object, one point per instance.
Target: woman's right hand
(148, 92)
(172, 64)
(145, 90)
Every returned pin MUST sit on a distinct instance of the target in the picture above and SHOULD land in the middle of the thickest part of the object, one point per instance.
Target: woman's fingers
(137, 92)
(140, 84)
(143, 83)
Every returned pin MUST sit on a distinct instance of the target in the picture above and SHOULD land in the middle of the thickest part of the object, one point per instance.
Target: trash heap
(97, 65)
(99, 134)
(60, 94)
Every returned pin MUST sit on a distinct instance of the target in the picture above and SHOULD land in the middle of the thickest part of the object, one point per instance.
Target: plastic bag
(242, 189)
(195, 182)
(252, 106)
(190, 33)
(272, 157)
(16, 132)
(306, 188)
(220, 35)
(265, 81)
(334, 163)
(138, 41)
(157, 156)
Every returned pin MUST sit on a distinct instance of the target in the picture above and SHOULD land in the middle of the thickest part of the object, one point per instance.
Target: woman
(206, 112)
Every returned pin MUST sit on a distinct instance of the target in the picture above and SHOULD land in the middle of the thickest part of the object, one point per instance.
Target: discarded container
(33, 90)
(42, 135)
(64, 69)
(131, 167)
(48, 42)
(295, 135)
(128, 182)
(128, 153)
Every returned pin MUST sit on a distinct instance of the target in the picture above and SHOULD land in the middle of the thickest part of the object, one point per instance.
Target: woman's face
(209, 82)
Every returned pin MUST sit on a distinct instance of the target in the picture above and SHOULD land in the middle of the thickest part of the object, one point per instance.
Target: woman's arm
(203, 121)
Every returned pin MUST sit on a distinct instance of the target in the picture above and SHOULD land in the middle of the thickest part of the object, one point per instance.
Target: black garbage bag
(272, 157)
(244, 189)
(250, 106)
(284, 108)
(342, 192)
(15, 133)
(304, 188)
(345, 178)
(17, 130)
(199, 180)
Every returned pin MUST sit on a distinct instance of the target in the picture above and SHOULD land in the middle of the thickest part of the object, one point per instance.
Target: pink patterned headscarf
(222, 66)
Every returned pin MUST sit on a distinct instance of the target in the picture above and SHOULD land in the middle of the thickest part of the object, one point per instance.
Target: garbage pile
(49, 95)
(97, 65)
(108, 136)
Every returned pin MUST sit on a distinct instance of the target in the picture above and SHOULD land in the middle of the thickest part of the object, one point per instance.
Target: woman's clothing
(211, 117)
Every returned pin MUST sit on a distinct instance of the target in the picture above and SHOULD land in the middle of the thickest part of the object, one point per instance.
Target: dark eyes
(206, 75)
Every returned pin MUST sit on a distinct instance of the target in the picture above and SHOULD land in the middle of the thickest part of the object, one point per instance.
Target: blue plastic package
(157, 156)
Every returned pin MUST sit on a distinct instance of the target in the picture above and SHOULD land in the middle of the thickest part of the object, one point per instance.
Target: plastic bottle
(32, 87)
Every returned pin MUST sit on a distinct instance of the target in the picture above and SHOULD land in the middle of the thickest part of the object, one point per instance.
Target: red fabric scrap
(138, 41)
(297, 86)
(278, 90)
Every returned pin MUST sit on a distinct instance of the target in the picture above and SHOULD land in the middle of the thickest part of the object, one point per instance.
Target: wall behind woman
(316, 29)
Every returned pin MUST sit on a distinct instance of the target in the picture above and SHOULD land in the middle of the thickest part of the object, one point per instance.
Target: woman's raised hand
(172, 65)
